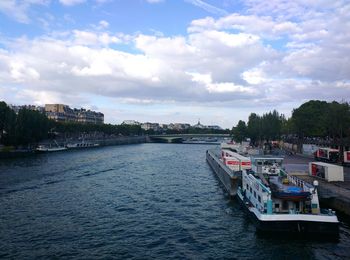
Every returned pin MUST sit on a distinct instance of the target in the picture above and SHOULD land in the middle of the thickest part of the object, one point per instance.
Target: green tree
(254, 128)
(271, 126)
(31, 126)
(309, 119)
(338, 122)
(240, 131)
(337, 119)
(287, 126)
(7, 124)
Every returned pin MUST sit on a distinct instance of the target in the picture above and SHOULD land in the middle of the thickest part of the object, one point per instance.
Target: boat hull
(299, 228)
(49, 150)
(230, 180)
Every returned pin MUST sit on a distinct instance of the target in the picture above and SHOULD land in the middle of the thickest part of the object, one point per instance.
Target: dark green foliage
(288, 127)
(338, 120)
(129, 129)
(310, 118)
(254, 128)
(7, 124)
(107, 129)
(193, 130)
(27, 127)
(319, 119)
(267, 127)
(271, 125)
(240, 132)
(31, 126)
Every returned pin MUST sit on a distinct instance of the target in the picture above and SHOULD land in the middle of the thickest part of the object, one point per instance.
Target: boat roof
(266, 158)
(326, 164)
(330, 149)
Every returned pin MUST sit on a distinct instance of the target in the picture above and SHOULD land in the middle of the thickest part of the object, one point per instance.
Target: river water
(138, 202)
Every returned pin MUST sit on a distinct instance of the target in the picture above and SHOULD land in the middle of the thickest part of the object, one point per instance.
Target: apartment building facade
(63, 113)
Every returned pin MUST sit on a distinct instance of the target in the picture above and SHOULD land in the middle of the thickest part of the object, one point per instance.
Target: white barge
(278, 202)
(228, 165)
(229, 178)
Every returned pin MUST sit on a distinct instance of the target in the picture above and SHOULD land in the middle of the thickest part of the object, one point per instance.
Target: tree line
(30, 127)
(313, 119)
(26, 127)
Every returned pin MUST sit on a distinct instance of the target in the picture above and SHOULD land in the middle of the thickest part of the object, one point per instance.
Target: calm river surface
(137, 201)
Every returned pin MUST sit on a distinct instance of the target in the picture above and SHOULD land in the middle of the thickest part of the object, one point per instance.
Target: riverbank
(11, 152)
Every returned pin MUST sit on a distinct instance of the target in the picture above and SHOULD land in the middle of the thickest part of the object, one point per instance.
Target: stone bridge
(179, 138)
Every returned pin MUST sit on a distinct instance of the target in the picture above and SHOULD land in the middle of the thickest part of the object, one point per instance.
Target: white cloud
(71, 2)
(18, 10)
(254, 76)
(89, 38)
(253, 61)
(83, 59)
(22, 73)
(207, 7)
(154, 1)
(264, 26)
(104, 24)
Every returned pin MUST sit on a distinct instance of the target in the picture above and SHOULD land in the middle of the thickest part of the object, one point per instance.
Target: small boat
(81, 145)
(231, 145)
(44, 148)
(281, 203)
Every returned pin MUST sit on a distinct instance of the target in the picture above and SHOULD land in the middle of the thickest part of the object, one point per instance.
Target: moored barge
(282, 203)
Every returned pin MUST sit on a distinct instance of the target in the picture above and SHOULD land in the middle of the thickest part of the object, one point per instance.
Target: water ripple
(133, 202)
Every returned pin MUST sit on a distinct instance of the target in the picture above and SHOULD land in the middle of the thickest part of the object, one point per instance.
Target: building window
(285, 205)
(277, 205)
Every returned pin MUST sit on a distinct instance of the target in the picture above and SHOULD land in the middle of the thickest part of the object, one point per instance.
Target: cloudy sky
(175, 60)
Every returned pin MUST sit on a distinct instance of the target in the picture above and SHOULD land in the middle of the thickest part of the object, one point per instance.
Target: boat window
(285, 204)
(259, 198)
(251, 190)
(254, 194)
(247, 187)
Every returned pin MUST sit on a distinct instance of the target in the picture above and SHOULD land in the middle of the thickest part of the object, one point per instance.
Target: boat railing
(328, 212)
(299, 182)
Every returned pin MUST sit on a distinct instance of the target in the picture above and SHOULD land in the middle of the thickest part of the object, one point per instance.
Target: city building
(60, 113)
(63, 113)
(199, 125)
(130, 122)
(178, 126)
(88, 117)
(163, 126)
(150, 126)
